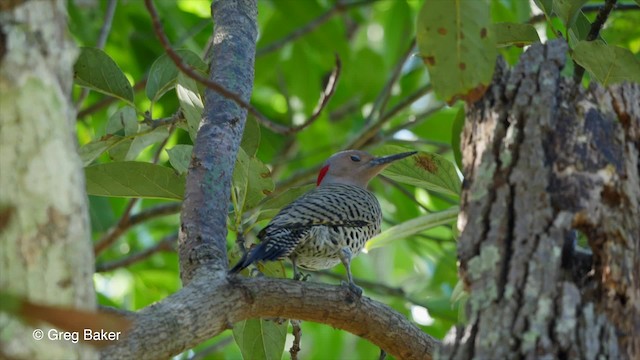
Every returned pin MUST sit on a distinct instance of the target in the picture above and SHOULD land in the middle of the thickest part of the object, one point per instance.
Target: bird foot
(355, 289)
(301, 276)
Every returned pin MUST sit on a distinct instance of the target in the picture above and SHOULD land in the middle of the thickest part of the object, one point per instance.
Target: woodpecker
(329, 224)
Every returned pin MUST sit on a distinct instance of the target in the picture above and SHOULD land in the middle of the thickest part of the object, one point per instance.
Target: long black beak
(390, 158)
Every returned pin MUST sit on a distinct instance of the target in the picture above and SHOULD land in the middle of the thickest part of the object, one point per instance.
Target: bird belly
(321, 248)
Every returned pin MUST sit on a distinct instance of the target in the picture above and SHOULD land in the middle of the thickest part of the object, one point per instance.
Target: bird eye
(355, 158)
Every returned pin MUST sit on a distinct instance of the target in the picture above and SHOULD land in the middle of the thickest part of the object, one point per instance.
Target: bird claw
(301, 276)
(355, 289)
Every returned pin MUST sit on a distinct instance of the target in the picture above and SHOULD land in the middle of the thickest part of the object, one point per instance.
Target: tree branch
(203, 232)
(126, 222)
(194, 314)
(166, 244)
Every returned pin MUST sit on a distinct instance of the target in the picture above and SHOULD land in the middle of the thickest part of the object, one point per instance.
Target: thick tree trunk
(45, 245)
(545, 160)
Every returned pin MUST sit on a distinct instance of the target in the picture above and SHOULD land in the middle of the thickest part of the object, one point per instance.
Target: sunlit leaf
(457, 44)
(260, 339)
(190, 102)
(94, 69)
(515, 34)
(413, 227)
(179, 157)
(163, 73)
(134, 179)
(425, 170)
(608, 64)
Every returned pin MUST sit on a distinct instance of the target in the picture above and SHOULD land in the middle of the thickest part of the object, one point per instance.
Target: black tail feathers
(263, 252)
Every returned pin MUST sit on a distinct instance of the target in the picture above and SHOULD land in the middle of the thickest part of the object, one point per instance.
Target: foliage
(139, 146)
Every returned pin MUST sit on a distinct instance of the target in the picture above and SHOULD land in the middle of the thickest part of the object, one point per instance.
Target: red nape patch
(321, 175)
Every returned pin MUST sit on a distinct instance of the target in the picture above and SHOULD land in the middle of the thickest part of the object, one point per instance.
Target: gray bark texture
(203, 235)
(46, 255)
(545, 160)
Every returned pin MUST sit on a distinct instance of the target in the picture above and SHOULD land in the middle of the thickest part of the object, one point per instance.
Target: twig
(338, 8)
(370, 131)
(101, 42)
(596, 26)
(127, 222)
(106, 27)
(404, 191)
(156, 156)
(324, 98)
(586, 9)
(192, 73)
(170, 121)
(166, 244)
(380, 104)
(297, 336)
(112, 235)
(415, 120)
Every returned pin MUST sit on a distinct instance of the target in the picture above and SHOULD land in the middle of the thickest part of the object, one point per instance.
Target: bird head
(355, 167)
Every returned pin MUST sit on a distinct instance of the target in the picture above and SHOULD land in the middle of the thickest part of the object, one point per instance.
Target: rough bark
(203, 234)
(210, 305)
(543, 160)
(45, 246)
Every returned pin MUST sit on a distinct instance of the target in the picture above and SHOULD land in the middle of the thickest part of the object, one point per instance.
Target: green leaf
(179, 157)
(260, 183)
(608, 64)
(145, 138)
(125, 118)
(580, 29)
(546, 6)
(134, 179)
(260, 339)
(457, 44)
(251, 137)
(456, 132)
(89, 152)
(163, 73)
(424, 170)
(120, 150)
(190, 102)
(413, 227)
(95, 70)
(252, 182)
(240, 182)
(271, 207)
(567, 10)
(515, 34)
